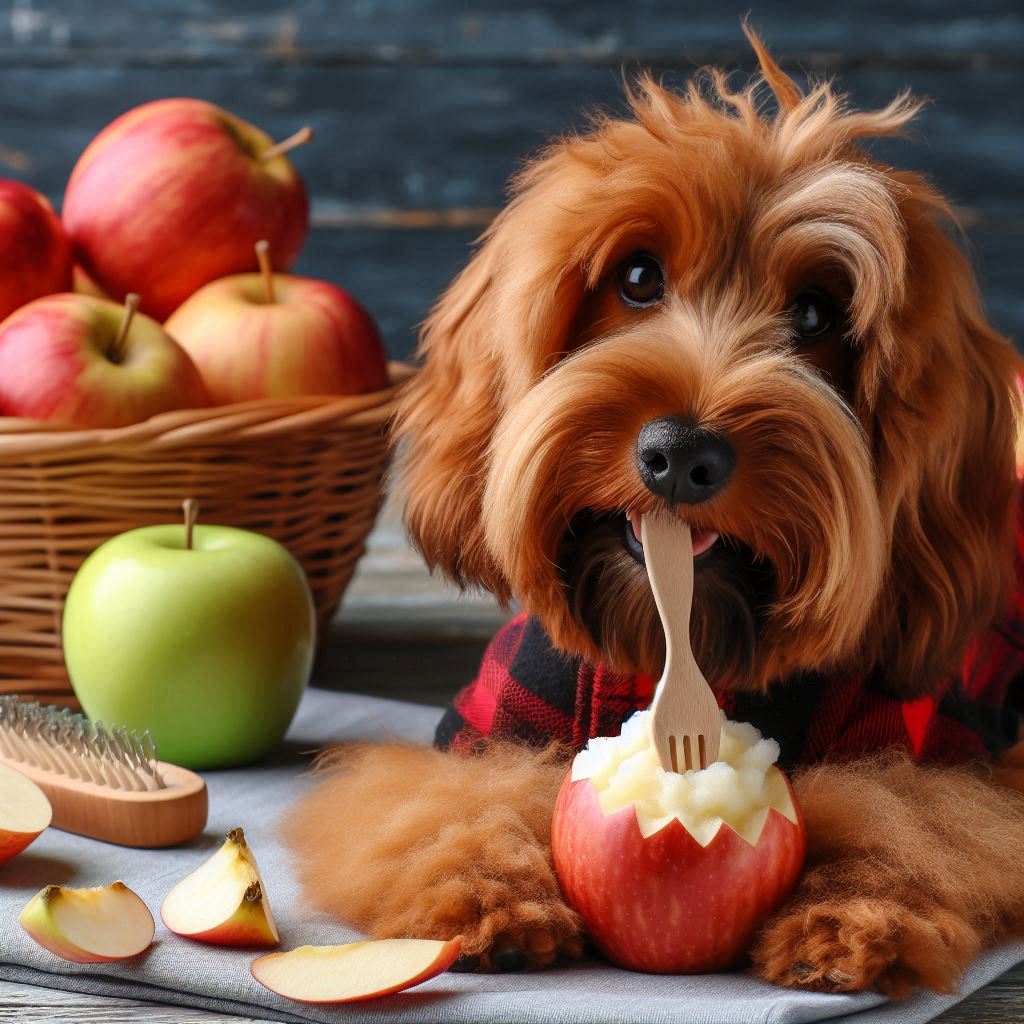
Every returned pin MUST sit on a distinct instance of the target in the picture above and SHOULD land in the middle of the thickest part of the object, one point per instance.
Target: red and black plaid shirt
(528, 691)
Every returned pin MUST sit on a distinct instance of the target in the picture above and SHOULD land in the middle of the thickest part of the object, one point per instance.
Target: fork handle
(672, 585)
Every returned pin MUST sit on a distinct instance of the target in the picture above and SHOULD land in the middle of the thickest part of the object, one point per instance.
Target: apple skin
(247, 928)
(55, 365)
(12, 843)
(208, 648)
(665, 904)
(172, 195)
(315, 339)
(35, 254)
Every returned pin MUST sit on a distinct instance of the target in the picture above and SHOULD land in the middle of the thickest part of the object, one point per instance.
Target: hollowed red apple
(355, 971)
(223, 901)
(89, 926)
(24, 812)
(673, 873)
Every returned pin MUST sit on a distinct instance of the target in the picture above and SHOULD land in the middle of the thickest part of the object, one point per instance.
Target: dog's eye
(641, 280)
(813, 313)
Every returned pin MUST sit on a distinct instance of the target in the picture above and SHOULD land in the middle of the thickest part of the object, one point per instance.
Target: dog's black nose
(681, 462)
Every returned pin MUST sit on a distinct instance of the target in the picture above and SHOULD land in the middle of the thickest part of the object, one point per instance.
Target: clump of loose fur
(405, 841)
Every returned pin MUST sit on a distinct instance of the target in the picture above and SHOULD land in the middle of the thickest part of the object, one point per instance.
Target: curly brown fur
(910, 872)
(867, 525)
(408, 842)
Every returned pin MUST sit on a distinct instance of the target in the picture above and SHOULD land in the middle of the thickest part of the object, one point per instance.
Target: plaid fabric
(528, 691)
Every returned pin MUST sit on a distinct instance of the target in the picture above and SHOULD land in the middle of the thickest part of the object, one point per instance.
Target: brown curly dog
(726, 307)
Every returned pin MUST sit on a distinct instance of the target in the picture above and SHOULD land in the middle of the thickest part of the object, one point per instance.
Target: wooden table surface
(400, 635)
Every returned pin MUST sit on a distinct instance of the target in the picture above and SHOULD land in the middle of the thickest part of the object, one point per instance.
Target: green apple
(203, 636)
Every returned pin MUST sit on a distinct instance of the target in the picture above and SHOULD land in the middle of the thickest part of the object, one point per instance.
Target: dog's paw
(513, 935)
(529, 947)
(494, 886)
(516, 937)
(858, 944)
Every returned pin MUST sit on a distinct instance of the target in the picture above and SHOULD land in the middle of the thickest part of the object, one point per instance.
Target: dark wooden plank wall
(423, 108)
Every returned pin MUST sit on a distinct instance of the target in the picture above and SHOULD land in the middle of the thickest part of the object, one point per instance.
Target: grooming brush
(102, 781)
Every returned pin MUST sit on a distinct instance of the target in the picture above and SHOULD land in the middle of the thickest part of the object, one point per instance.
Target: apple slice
(89, 926)
(24, 812)
(357, 970)
(223, 901)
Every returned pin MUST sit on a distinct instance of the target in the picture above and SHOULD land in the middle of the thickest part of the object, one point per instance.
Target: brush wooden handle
(150, 818)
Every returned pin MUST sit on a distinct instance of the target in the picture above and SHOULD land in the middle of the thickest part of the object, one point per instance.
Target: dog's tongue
(702, 539)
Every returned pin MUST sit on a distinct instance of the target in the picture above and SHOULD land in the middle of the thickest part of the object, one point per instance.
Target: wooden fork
(685, 719)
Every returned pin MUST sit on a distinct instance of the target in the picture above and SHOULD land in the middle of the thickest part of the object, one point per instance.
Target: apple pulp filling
(739, 789)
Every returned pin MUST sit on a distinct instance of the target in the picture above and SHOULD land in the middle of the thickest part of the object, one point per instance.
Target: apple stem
(131, 307)
(191, 509)
(266, 269)
(300, 138)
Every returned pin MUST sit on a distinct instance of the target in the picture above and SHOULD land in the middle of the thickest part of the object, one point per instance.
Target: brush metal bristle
(58, 740)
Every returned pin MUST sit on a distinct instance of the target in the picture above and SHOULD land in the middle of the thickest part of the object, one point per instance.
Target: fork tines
(702, 760)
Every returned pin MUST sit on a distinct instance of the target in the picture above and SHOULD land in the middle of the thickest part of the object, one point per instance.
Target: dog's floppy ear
(445, 423)
(500, 325)
(944, 423)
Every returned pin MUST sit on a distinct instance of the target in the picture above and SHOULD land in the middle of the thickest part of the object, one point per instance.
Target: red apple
(88, 362)
(35, 254)
(275, 336)
(662, 896)
(176, 193)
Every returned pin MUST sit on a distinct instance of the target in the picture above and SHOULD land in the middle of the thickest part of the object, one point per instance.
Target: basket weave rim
(241, 418)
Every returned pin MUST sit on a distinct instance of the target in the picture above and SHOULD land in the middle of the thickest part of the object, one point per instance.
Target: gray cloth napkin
(177, 971)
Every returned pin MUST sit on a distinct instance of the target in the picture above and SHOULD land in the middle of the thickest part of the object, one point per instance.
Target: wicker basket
(307, 471)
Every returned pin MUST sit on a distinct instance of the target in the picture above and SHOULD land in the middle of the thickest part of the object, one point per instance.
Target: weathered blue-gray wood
(402, 153)
(396, 274)
(409, 137)
(490, 31)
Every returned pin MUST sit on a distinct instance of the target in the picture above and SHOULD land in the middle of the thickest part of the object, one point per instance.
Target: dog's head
(742, 316)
